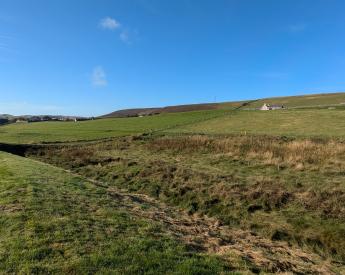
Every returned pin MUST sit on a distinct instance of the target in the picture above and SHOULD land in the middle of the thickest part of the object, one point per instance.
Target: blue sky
(90, 57)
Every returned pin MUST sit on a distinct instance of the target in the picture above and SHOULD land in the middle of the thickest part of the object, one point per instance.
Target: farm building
(268, 107)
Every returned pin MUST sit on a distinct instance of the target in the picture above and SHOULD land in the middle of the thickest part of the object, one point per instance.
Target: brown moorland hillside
(299, 101)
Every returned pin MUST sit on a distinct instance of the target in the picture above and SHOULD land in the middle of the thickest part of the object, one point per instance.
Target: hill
(6, 116)
(217, 191)
(162, 110)
(304, 122)
(311, 100)
(322, 123)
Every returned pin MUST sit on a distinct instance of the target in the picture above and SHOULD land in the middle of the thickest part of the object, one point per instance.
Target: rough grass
(283, 189)
(294, 123)
(98, 129)
(302, 101)
(300, 154)
(52, 222)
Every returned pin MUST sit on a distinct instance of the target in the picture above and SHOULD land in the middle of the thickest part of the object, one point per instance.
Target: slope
(310, 100)
(54, 222)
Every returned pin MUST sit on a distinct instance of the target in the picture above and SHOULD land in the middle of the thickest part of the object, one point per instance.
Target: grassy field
(302, 123)
(299, 101)
(290, 190)
(98, 129)
(292, 122)
(271, 185)
(53, 222)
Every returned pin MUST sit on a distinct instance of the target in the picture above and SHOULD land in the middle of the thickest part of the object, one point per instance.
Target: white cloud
(99, 78)
(109, 23)
(124, 36)
(297, 28)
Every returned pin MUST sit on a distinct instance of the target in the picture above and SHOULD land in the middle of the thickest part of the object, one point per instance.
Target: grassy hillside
(168, 109)
(98, 129)
(276, 189)
(52, 222)
(301, 122)
(305, 122)
(312, 100)
(271, 184)
(302, 101)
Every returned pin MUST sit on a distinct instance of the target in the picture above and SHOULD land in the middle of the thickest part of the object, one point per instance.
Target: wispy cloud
(296, 28)
(109, 23)
(4, 42)
(129, 36)
(99, 77)
(3, 46)
(8, 50)
(5, 37)
(126, 35)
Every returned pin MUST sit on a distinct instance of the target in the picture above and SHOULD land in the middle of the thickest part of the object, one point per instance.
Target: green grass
(301, 101)
(222, 177)
(98, 129)
(291, 122)
(303, 123)
(52, 222)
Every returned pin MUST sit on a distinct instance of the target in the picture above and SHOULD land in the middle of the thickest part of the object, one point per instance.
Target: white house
(268, 107)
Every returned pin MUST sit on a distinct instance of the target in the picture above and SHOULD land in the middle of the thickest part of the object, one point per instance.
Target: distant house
(269, 107)
(148, 112)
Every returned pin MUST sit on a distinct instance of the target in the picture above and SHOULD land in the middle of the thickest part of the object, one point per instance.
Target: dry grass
(281, 152)
(234, 179)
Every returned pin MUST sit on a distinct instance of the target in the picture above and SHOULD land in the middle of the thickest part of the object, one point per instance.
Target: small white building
(269, 107)
(264, 107)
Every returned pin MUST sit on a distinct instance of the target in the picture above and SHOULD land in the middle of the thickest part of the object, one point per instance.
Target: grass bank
(283, 189)
(53, 222)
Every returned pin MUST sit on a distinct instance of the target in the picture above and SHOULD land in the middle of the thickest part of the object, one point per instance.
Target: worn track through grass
(209, 235)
